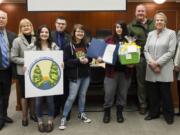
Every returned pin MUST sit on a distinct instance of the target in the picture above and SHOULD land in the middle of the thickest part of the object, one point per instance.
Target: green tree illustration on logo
(37, 78)
(53, 74)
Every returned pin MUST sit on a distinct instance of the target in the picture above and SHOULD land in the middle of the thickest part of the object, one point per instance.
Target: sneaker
(41, 127)
(84, 118)
(63, 124)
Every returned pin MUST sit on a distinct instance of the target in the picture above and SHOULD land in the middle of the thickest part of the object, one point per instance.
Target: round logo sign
(45, 74)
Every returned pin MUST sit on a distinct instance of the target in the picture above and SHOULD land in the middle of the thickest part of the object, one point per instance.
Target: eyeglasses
(60, 23)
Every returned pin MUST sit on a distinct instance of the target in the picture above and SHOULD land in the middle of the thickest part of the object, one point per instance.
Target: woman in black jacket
(77, 70)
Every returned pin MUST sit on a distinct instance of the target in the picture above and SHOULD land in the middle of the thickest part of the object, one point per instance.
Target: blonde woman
(23, 43)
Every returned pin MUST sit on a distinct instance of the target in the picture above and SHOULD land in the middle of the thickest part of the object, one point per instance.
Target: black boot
(107, 115)
(120, 118)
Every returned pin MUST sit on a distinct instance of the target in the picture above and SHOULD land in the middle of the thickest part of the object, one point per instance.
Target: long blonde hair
(22, 22)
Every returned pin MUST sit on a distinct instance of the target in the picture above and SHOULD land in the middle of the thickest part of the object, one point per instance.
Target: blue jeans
(50, 104)
(79, 87)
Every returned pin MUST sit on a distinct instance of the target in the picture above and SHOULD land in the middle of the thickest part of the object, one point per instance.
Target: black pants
(178, 87)
(5, 87)
(160, 92)
(59, 100)
(21, 80)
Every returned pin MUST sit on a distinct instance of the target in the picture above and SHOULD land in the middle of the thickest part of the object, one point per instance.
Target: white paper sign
(132, 49)
(44, 73)
(108, 53)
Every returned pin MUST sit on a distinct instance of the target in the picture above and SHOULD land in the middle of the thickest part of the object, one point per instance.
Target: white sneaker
(84, 118)
(63, 124)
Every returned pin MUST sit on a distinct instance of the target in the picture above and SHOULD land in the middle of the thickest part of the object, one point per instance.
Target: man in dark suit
(60, 36)
(6, 39)
(62, 39)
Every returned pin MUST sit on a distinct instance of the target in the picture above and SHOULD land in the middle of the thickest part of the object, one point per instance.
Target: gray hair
(161, 14)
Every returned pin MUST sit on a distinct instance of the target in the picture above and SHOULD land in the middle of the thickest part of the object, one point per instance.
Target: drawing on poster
(44, 73)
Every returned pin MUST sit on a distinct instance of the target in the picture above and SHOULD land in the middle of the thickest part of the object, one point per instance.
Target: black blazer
(66, 39)
(73, 67)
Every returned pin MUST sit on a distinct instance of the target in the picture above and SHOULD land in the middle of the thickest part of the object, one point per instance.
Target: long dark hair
(38, 39)
(124, 31)
(73, 37)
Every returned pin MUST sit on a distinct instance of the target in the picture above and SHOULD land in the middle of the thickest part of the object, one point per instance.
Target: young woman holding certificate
(77, 69)
(117, 79)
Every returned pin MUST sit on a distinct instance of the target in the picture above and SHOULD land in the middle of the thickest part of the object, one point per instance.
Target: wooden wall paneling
(15, 13)
(86, 19)
(93, 20)
(41, 18)
(106, 20)
(123, 16)
(72, 19)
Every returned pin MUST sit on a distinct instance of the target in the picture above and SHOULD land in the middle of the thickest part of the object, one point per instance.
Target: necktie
(4, 51)
(60, 40)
